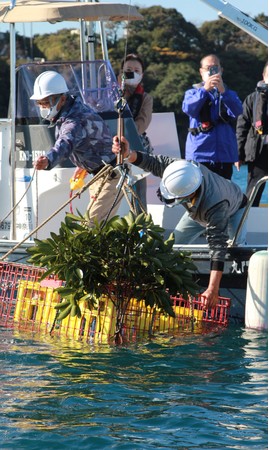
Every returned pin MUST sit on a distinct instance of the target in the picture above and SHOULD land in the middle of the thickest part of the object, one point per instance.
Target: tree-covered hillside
(171, 48)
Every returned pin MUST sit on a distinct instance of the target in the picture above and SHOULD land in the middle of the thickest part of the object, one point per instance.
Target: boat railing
(252, 197)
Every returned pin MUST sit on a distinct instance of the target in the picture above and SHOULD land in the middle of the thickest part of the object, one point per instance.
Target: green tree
(171, 48)
(167, 35)
(242, 56)
(61, 46)
(170, 90)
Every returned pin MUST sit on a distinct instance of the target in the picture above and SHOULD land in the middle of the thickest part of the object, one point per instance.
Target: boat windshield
(94, 81)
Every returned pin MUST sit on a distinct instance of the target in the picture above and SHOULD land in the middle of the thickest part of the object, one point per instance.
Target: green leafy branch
(125, 258)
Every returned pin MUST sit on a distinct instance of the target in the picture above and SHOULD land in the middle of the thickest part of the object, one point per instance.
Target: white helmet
(180, 179)
(49, 83)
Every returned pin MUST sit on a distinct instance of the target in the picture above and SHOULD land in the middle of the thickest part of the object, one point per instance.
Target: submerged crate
(29, 304)
(35, 302)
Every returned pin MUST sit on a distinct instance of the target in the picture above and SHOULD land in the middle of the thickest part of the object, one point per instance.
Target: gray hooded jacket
(216, 201)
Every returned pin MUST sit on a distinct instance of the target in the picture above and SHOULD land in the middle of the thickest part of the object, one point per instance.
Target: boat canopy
(52, 11)
(94, 81)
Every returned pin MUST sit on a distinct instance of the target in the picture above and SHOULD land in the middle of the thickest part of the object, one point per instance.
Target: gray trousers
(187, 230)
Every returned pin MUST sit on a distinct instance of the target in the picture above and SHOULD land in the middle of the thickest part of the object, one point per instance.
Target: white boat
(29, 199)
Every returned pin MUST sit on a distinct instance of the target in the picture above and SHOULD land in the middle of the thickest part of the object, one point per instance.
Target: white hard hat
(49, 83)
(180, 179)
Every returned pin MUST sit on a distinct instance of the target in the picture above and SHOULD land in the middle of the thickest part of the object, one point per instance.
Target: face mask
(49, 113)
(134, 81)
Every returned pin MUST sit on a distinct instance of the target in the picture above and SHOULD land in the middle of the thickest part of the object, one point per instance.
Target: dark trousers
(256, 170)
(255, 173)
(225, 170)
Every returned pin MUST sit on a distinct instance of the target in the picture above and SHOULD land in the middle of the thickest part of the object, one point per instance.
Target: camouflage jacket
(81, 135)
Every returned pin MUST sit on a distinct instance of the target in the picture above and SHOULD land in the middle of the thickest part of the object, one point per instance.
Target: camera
(213, 70)
(129, 75)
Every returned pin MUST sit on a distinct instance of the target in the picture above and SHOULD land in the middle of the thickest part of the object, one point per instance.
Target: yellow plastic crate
(35, 308)
(34, 303)
(95, 325)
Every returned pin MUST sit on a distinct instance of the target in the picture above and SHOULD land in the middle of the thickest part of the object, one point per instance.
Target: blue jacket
(82, 136)
(219, 143)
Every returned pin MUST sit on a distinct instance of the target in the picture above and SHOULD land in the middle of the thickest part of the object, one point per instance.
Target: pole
(103, 40)
(12, 38)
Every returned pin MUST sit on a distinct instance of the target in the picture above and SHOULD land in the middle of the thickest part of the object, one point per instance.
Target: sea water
(186, 392)
(240, 177)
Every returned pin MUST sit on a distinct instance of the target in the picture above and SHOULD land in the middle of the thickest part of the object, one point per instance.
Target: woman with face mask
(141, 106)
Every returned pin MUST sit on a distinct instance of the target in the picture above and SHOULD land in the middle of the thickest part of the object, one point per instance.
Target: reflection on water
(184, 393)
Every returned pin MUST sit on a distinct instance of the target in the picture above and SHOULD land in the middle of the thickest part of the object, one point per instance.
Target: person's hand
(122, 145)
(79, 173)
(237, 165)
(211, 295)
(209, 298)
(214, 82)
(41, 163)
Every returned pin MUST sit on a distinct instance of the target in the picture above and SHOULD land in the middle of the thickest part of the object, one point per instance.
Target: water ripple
(191, 392)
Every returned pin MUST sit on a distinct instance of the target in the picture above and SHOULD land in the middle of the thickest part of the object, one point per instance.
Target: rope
(102, 172)
(36, 199)
(124, 189)
(116, 197)
(104, 179)
(134, 197)
(191, 313)
(70, 206)
(18, 202)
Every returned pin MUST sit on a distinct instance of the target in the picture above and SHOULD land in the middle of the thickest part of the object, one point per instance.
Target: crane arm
(240, 19)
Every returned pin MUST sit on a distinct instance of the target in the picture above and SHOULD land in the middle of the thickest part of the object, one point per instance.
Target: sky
(195, 11)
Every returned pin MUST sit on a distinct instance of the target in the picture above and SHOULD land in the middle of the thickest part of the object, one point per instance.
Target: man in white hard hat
(212, 201)
(80, 135)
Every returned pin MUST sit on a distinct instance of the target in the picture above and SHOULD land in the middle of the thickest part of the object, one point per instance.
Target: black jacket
(250, 142)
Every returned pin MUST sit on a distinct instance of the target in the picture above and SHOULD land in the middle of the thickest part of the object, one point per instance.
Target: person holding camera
(252, 136)
(141, 106)
(212, 109)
